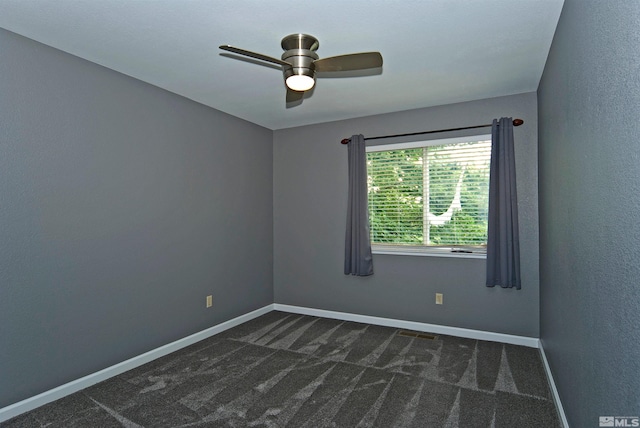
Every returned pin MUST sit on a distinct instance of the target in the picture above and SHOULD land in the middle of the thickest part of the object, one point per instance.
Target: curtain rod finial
(345, 141)
(517, 122)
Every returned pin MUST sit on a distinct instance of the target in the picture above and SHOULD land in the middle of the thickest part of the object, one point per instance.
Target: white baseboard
(31, 403)
(554, 390)
(531, 342)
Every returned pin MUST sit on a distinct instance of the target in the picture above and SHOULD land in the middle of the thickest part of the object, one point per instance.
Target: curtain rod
(516, 122)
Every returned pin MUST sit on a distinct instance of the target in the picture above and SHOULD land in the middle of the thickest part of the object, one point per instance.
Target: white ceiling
(435, 51)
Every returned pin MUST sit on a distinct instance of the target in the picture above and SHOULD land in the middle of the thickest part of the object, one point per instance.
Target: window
(430, 197)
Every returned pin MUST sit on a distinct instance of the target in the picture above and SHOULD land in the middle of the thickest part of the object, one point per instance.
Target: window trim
(461, 252)
(424, 143)
(432, 251)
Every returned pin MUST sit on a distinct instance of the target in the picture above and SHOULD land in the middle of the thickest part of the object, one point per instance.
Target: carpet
(288, 370)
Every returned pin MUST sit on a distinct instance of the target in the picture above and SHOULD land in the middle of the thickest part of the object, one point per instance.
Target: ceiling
(435, 51)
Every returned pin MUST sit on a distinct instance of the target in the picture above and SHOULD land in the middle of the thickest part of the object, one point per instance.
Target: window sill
(428, 252)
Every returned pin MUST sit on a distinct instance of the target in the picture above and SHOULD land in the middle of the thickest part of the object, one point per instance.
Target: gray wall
(310, 200)
(121, 207)
(589, 111)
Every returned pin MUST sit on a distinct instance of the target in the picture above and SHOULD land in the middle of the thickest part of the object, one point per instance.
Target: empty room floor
(289, 370)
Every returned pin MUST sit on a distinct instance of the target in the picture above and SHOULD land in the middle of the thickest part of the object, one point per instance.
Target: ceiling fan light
(300, 82)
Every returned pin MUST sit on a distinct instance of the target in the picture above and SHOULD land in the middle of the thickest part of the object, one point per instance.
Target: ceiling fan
(300, 62)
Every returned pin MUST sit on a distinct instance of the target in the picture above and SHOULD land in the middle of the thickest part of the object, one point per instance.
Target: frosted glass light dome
(300, 82)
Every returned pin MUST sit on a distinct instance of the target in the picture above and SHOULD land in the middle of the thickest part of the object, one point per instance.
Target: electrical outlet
(438, 298)
(209, 301)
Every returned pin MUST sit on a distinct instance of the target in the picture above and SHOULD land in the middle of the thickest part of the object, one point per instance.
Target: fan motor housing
(300, 53)
(301, 61)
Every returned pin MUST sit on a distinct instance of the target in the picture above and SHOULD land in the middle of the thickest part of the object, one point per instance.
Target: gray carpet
(286, 370)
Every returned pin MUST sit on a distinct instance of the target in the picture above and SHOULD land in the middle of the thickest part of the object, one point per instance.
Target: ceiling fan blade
(294, 96)
(254, 55)
(357, 61)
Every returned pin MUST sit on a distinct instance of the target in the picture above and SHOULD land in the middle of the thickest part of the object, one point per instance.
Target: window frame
(456, 251)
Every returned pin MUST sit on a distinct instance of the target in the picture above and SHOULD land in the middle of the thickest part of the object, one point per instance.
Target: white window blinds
(433, 194)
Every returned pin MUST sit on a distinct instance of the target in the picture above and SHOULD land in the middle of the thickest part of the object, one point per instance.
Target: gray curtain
(357, 255)
(503, 241)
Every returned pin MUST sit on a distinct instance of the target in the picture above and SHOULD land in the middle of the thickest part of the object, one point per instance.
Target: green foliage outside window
(398, 189)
